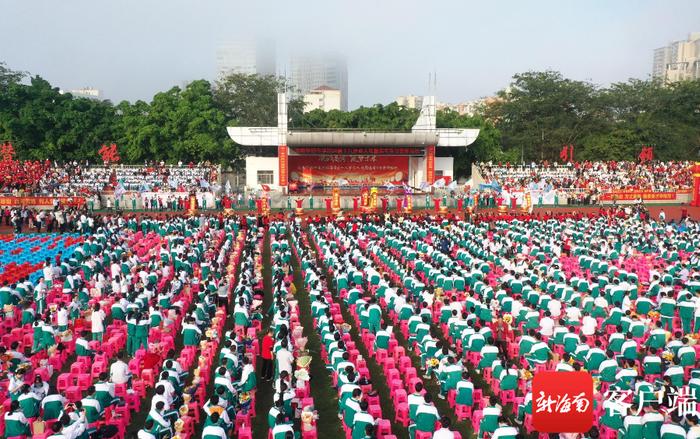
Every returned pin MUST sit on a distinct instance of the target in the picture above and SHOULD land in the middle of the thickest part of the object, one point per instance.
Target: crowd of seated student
(591, 176)
(114, 306)
(615, 295)
(75, 178)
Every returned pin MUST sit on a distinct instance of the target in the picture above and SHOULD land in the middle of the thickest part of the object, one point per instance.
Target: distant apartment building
(85, 92)
(246, 57)
(679, 60)
(468, 108)
(310, 72)
(410, 101)
(323, 98)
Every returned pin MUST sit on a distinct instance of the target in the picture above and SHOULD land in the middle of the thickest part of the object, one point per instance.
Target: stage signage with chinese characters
(283, 155)
(360, 169)
(430, 164)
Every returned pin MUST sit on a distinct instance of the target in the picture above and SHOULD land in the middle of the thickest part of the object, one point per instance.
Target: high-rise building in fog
(410, 101)
(309, 72)
(85, 92)
(679, 60)
(246, 56)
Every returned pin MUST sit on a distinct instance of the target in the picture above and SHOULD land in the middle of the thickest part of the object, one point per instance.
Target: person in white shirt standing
(97, 319)
(284, 358)
(119, 371)
(48, 273)
(62, 317)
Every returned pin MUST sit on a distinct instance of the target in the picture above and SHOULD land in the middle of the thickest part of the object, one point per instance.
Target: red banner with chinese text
(356, 170)
(359, 150)
(41, 201)
(283, 156)
(430, 164)
(635, 195)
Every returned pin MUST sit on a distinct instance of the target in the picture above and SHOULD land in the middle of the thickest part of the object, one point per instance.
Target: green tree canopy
(177, 125)
(251, 100)
(542, 111)
(532, 118)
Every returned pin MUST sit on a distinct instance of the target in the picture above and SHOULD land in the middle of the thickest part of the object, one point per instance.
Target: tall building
(311, 72)
(86, 92)
(322, 98)
(469, 108)
(679, 60)
(410, 101)
(246, 56)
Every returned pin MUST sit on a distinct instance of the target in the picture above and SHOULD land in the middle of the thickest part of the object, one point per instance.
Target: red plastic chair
(245, 433)
(64, 381)
(402, 415)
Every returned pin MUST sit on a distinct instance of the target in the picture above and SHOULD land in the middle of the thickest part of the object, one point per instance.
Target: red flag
(564, 153)
(647, 154)
(7, 151)
(571, 153)
(109, 153)
(265, 187)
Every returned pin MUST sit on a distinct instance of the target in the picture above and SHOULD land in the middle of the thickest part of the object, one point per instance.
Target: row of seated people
(596, 176)
(74, 178)
(132, 292)
(288, 362)
(460, 305)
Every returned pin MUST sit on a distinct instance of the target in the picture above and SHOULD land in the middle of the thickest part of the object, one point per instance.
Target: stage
(303, 162)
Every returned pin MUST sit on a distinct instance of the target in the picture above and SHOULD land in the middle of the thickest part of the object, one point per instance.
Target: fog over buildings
(131, 49)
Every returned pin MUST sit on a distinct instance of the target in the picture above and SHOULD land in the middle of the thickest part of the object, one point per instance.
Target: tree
(533, 118)
(8, 76)
(541, 111)
(391, 117)
(177, 125)
(251, 100)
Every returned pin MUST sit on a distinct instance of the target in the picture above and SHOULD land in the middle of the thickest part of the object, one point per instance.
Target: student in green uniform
(143, 325)
(190, 333)
(283, 429)
(426, 417)
(16, 424)
(29, 402)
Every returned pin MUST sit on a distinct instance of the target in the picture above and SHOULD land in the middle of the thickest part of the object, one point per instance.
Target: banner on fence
(635, 195)
(41, 201)
(203, 198)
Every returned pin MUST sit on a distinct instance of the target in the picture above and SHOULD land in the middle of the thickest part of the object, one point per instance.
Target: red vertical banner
(283, 156)
(696, 184)
(564, 153)
(430, 164)
(336, 198)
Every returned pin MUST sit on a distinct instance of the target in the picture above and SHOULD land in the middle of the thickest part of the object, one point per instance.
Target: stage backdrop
(361, 169)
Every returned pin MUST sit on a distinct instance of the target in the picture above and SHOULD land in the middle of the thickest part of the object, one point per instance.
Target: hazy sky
(131, 49)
